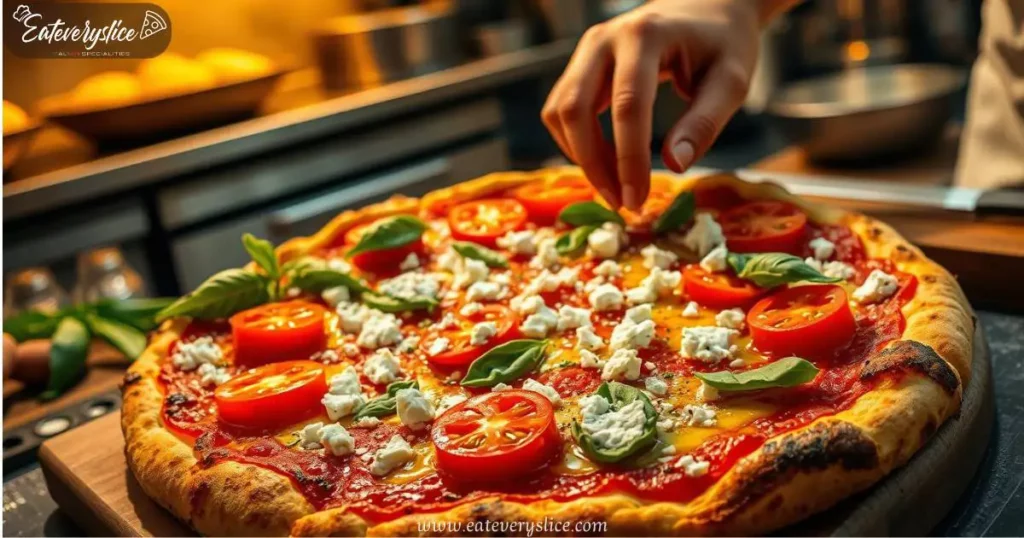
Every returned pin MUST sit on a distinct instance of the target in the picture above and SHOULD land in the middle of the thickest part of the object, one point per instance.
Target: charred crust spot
(130, 378)
(913, 356)
(197, 499)
(874, 232)
(903, 252)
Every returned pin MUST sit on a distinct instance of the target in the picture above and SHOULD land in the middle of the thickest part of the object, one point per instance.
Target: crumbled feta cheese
(835, 269)
(878, 286)
(547, 254)
(471, 272)
(639, 314)
(414, 410)
(571, 317)
(449, 401)
(658, 282)
(699, 415)
(470, 309)
(526, 304)
(438, 346)
(409, 344)
(382, 367)
(608, 269)
(716, 261)
(547, 391)
(411, 285)
(339, 406)
(351, 316)
(823, 248)
(656, 385)
(345, 382)
(409, 263)
(623, 364)
(606, 297)
(691, 310)
(629, 334)
(335, 296)
(366, 422)
(380, 330)
(336, 439)
(606, 241)
(540, 323)
(708, 344)
(612, 429)
(548, 281)
(211, 376)
(519, 242)
(449, 260)
(202, 350)
(705, 234)
(706, 393)
(309, 436)
(485, 291)
(592, 284)
(658, 257)
(587, 339)
(501, 387)
(339, 264)
(730, 319)
(351, 350)
(393, 455)
(482, 332)
(589, 360)
(691, 466)
(737, 363)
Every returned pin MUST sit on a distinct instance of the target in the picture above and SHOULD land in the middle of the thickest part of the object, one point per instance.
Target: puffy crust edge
(791, 477)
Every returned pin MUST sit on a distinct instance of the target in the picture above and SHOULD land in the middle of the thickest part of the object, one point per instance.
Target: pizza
(511, 356)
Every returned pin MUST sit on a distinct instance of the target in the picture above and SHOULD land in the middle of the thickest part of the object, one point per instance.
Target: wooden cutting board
(87, 475)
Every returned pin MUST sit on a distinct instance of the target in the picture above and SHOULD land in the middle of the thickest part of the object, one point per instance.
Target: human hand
(708, 48)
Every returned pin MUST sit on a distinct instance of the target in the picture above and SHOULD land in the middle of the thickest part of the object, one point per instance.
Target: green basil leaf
(262, 252)
(393, 232)
(505, 363)
(125, 338)
(138, 313)
(385, 404)
(312, 275)
(394, 305)
(574, 241)
(678, 213)
(474, 251)
(69, 349)
(620, 395)
(737, 261)
(589, 213)
(774, 269)
(787, 372)
(222, 294)
(31, 324)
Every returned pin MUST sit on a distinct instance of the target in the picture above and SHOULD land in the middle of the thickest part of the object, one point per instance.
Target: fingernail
(683, 153)
(610, 198)
(630, 197)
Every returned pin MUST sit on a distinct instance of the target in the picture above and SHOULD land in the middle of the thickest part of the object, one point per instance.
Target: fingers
(720, 94)
(634, 88)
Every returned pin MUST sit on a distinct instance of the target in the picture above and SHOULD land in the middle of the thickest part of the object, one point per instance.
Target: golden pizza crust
(789, 478)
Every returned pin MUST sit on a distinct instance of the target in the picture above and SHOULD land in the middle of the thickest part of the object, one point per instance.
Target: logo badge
(85, 30)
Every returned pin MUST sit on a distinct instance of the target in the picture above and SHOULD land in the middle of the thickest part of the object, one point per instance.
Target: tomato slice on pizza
(544, 201)
(459, 346)
(278, 332)
(485, 221)
(764, 226)
(272, 395)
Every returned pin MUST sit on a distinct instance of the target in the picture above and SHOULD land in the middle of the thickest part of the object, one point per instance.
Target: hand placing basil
(505, 363)
(589, 213)
(477, 252)
(388, 233)
(774, 269)
(385, 404)
(627, 409)
(223, 294)
(573, 242)
(787, 372)
(677, 215)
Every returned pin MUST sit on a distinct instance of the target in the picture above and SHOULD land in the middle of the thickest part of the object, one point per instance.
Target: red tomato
(278, 332)
(497, 436)
(719, 198)
(380, 260)
(545, 200)
(484, 221)
(807, 321)
(719, 290)
(273, 395)
(765, 226)
(460, 352)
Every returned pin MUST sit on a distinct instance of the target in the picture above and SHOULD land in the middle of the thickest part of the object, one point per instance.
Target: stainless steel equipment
(867, 112)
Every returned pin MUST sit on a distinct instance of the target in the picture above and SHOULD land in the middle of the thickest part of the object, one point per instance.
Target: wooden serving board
(87, 475)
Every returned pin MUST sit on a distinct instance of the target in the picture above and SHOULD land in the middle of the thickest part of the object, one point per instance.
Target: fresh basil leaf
(678, 213)
(138, 313)
(312, 275)
(222, 294)
(69, 349)
(774, 269)
(392, 232)
(385, 404)
(472, 250)
(127, 339)
(787, 372)
(394, 305)
(262, 252)
(505, 363)
(574, 241)
(620, 395)
(737, 261)
(31, 324)
(589, 213)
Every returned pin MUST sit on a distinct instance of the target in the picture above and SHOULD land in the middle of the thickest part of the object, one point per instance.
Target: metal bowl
(867, 113)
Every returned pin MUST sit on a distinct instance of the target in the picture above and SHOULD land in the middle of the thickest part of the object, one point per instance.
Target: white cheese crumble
(699, 415)
(716, 261)
(380, 330)
(638, 314)
(629, 334)
(589, 360)
(730, 319)
(382, 367)
(706, 393)
(691, 466)
(393, 455)
(606, 241)
(449, 401)
(411, 285)
(485, 291)
(470, 272)
(335, 296)
(339, 264)
(656, 385)
(519, 242)
(414, 410)
(500, 387)
(878, 286)
(202, 350)
(835, 269)
(482, 332)
(540, 323)
(705, 234)
(587, 339)
(623, 364)
(309, 435)
(606, 297)
(571, 317)
(449, 260)
(658, 257)
(366, 422)
(612, 429)
(737, 363)
(608, 269)
(211, 376)
(658, 282)
(438, 346)
(470, 309)
(822, 248)
(345, 394)
(409, 263)
(691, 310)
(708, 344)
(545, 390)
(336, 439)
(547, 254)
(526, 304)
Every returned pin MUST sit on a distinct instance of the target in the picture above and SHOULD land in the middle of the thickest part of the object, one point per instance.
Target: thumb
(719, 95)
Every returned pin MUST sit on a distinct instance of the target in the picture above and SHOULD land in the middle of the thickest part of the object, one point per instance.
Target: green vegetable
(138, 313)
(262, 252)
(677, 214)
(67, 356)
(774, 269)
(312, 275)
(619, 395)
(223, 294)
(390, 233)
(589, 213)
(385, 404)
(787, 372)
(573, 242)
(472, 250)
(31, 324)
(505, 363)
(125, 338)
(393, 305)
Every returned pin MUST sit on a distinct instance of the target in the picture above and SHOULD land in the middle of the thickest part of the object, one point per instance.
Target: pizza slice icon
(152, 24)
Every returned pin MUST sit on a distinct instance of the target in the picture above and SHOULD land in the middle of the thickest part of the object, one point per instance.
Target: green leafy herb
(389, 233)
(394, 305)
(385, 404)
(505, 363)
(314, 276)
(472, 250)
(223, 294)
(589, 213)
(138, 313)
(678, 213)
(262, 252)
(574, 241)
(619, 395)
(125, 338)
(68, 352)
(775, 269)
(31, 324)
(787, 372)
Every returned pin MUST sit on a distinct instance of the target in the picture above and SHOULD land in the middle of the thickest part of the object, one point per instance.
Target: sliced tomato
(719, 198)
(497, 436)
(273, 395)
(764, 226)
(461, 352)
(544, 200)
(278, 332)
(719, 290)
(663, 192)
(484, 221)
(384, 260)
(807, 321)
